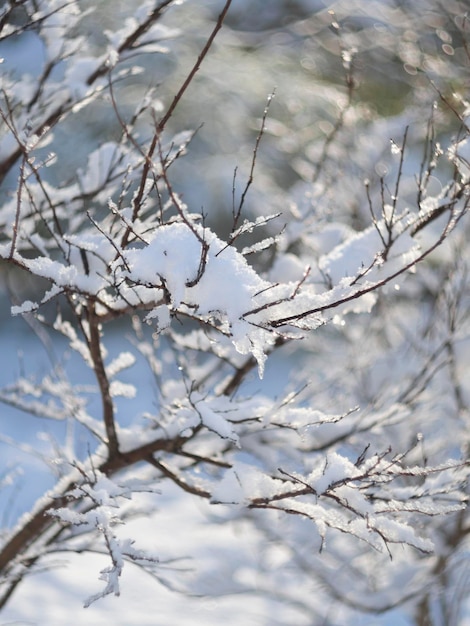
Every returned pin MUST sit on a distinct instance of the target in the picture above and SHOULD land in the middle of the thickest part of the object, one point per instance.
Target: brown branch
(94, 345)
(195, 68)
(148, 163)
(132, 38)
(164, 469)
(237, 213)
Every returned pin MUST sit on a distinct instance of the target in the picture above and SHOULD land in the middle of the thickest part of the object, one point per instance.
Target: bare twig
(137, 202)
(237, 213)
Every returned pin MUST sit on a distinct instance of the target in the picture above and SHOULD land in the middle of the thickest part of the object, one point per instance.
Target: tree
(362, 287)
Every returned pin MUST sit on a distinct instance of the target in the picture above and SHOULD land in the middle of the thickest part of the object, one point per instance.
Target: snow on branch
(100, 500)
(117, 242)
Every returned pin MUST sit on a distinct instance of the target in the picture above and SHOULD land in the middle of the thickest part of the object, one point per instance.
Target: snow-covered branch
(292, 356)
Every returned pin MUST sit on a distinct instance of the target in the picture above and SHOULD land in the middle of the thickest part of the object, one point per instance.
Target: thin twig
(137, 202)
(237, 213)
